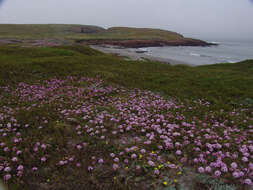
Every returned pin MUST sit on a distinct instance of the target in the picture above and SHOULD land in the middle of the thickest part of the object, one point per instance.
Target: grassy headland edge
(36, 35)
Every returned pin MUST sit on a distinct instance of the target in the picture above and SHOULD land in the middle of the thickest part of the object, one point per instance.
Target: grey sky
(194, 18)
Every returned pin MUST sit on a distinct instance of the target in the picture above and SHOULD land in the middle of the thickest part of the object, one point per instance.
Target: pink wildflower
(234, 165)
(201, 170)
(90, 168)
(100, 161)
(208, 169)
(248, 182)
(236, 175)
(178, 152)
(7, 177)
(20, 167)
(217, 173)
(151, 163)
(115, 166)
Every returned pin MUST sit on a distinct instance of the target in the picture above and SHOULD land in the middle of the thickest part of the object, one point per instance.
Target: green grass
(43, 31)
(221, 84)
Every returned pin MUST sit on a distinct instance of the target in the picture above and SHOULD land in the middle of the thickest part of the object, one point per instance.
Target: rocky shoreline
(147, 43)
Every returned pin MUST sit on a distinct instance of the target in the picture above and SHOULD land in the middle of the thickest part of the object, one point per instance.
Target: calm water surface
(225, 52)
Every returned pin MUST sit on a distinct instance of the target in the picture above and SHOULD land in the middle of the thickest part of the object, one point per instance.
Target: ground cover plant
(74, 118)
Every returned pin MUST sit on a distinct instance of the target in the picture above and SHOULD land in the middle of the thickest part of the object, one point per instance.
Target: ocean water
(225, 52)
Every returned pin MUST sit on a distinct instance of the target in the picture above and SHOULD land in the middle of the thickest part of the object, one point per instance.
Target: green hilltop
(73, 32)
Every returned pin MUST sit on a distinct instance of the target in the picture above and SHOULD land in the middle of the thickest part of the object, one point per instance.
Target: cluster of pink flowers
(143, 127)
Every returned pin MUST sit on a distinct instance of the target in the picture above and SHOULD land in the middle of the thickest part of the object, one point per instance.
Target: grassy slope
(74, 32)
(222, 84)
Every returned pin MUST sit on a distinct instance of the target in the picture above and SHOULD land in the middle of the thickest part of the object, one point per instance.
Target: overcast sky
(213, 19)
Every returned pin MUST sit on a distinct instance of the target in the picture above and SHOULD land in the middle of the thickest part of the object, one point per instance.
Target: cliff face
(142, 37)
(147, 43)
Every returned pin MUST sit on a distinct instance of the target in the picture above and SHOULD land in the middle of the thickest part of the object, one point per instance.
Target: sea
(224, 52)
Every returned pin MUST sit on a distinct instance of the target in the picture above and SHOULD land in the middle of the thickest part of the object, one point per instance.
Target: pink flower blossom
(234, 165)
(43, 159)
(248, 182)
(245, 159)
(201, 170)
(133, 156)
(90, 168)
(236, 175)
(20, 167)
(14, 159)
(217, 173)
(208, 169)
(115, 166)
(7, 177)
(116, 160)
(156, 172)
(100, 161)
(151, 163)
(7, 169)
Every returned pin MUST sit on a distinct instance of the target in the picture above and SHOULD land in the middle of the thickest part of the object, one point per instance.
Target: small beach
(132, 54)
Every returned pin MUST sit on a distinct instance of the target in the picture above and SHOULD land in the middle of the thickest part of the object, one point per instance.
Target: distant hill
(41, 31)
(122, 36)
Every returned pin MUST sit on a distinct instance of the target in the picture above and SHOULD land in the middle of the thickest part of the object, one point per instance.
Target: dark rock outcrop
(147, 43)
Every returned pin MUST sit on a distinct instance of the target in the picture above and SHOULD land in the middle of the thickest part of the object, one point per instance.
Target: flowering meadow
(81, 133)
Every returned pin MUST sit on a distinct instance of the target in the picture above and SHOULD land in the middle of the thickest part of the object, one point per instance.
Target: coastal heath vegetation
(74, 118)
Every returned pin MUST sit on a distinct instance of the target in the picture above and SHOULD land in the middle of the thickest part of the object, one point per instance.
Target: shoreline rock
(147, 43)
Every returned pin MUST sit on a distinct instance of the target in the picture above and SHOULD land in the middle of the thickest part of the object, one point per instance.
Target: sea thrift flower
(90, 168)
(20, 173)
(151, 163)
(7, 177)
(234, 165)
(245, 159)
(143, 151)
(116, 159)
(61, 163)
(236, 175)
(248, 182)
(79, 147)
(20, 167)
(115, 166)
(208, 169)
(178, 152)
(201, 170)
(100, 161)
(14, 159)
(156, 171)
(224, 169)
(7, 169)
(217, 173)
(133, 156)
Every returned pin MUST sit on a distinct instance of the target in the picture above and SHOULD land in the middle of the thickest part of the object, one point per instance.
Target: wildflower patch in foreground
(84, 129)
